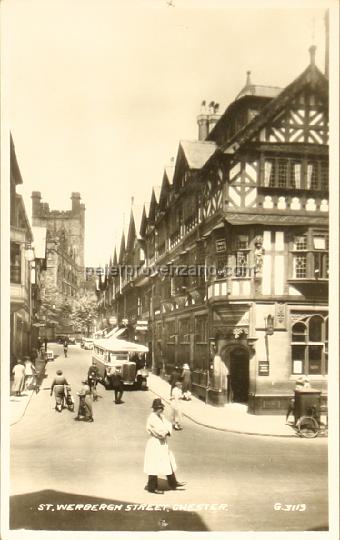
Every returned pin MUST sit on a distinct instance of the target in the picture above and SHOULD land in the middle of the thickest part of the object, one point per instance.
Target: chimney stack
(214, 116)
(312, 51)
(36, 203)
(203, 124)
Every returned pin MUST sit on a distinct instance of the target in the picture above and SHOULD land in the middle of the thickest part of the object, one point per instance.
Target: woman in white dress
(159, 460)
(19, 378)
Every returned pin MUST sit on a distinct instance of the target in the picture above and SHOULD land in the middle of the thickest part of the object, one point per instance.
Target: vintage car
(87, 343)
(128, 358)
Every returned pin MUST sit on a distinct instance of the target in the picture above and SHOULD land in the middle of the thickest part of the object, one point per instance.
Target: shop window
(309, 345)
(184, 330)
(201, 329)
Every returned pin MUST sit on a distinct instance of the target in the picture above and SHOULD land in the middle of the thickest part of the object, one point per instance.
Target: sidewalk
(232, 417)
(18, 405)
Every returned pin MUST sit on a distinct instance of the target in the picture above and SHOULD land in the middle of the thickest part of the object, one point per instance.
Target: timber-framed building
(250, 199)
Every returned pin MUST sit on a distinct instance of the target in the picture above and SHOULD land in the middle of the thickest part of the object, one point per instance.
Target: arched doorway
(239, 374)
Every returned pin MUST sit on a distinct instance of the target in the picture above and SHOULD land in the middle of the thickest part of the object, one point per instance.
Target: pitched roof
(311, 75)
(169, 171)
(197, 153)
(259, 90)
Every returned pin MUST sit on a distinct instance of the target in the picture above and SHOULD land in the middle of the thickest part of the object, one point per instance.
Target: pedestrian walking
(29, 372)
(186, 382)
(175, 377)
(85, 410)
(117, 385)
(158, 459)
(65, 348)
(176, 410)
(57, 387)
(92, 380)
(19, 377)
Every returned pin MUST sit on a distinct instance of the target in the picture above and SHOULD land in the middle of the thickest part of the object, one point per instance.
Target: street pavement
(235, 482)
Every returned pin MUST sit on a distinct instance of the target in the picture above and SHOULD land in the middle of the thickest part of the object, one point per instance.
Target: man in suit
(117, 385)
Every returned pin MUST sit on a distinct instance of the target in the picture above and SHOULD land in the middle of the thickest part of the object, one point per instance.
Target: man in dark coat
(117, 385)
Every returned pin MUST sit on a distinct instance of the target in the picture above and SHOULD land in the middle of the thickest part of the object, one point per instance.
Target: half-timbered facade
(244, 214)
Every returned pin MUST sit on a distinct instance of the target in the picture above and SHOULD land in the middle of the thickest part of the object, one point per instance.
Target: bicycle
(309, 425)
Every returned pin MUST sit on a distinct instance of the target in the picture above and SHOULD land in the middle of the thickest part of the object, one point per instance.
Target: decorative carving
(237, 332)
(258, 254)
(280, 315)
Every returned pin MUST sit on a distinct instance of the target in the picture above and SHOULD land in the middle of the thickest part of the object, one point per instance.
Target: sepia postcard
(169, 269)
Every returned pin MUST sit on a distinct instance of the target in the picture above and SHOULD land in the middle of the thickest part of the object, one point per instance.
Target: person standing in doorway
(158, 459)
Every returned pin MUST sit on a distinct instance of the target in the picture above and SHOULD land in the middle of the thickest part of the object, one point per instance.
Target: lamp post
(269, 331)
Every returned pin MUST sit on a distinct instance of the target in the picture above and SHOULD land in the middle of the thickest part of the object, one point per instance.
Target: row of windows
(296, 174)
(309, 340)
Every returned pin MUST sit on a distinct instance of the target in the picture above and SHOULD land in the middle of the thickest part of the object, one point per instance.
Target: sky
(102, 91)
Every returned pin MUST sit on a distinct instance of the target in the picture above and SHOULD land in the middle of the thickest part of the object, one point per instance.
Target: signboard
(221, 246)
(113, 320)
(263, 367)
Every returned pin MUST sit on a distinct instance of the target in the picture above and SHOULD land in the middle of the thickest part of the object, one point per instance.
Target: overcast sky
(102, 91)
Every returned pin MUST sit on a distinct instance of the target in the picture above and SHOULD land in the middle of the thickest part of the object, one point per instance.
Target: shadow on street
(25, 514)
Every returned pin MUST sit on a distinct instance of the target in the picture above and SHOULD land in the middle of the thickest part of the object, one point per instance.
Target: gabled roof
(167, 181)
(137, 211)
(169, 171)
(197, 153)
(153, 206)
(144, 219)
(311, 76)
(122, 248)
(15, 171)
(191, 155)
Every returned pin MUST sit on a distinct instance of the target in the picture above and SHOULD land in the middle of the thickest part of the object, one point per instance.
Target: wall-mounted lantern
(269, 325)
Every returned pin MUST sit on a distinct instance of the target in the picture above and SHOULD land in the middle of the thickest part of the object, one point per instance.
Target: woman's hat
(59, 372)
(157, 404)
(81, 393)
(186, 366)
